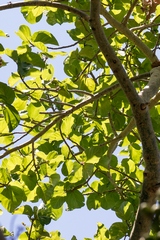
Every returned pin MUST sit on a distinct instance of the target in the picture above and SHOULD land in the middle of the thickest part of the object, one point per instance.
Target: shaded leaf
(44, 37)
(12, 196)
(11, 116)
(26, 209)
(7, 94)
(74, 199)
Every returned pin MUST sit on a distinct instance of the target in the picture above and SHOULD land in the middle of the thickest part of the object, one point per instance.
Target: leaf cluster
(58, 137)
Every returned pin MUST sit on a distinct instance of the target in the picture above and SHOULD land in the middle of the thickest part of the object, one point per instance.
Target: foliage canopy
(58, 137)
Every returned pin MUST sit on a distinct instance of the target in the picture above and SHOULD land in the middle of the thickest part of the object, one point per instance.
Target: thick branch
(130, 35)
(152, 87)
(141, 114)
(108, 52)
(75, 11)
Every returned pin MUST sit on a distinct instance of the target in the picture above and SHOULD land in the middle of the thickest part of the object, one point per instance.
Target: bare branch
(152, 87)
(142, 27)
(51, 4)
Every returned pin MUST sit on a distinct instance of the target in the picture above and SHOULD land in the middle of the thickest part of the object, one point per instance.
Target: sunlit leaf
(67, 125)
(35, 111)
(102, 232)
(70, 123)
(24, 33)
(3, 34)
(32, 14)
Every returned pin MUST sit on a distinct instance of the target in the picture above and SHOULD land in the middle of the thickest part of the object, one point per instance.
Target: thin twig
(125, 19)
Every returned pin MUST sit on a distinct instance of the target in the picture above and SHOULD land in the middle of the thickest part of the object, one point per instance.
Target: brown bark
(1, 236)
(140, 110)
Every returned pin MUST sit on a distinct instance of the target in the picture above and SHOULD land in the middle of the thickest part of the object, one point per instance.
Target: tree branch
(113, 22)
(87, 101)
(130, 35)
(109, 54)
(125, 20)
(141, 114)
(51, 4)
(128, 128)
(152, 87)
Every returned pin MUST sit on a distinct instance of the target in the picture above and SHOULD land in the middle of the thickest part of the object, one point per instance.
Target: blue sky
(81, 222)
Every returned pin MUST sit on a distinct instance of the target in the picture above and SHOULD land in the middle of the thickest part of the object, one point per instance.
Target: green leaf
(12, 54)
(118, 120)
(4, 176)
(56, 213)
(12, 196)
(57, 202)
(32, 14)
(26, 209)
(88, 170)
(48, 72)
(135, 152)
(67, 125)
(65, 151)
(45, 191)
(55, 235)
(7, 94)
(30, 179)
(32, 58)
(110, 200)
(102, 232)
(23, 236)
(35, 111)
(47, 147)
(3, 34)
(44, 215)
(13, 79)
(74, 199)
(44, 37)
(56, 16)
(24, 33)
(67, 167)
(23, 68)
(93, 201)
(74, 238)
(11, 116)
(125, 211)
(41, 46)
(129, 165)
(1, 47)
(88, 52)
(118, 230)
